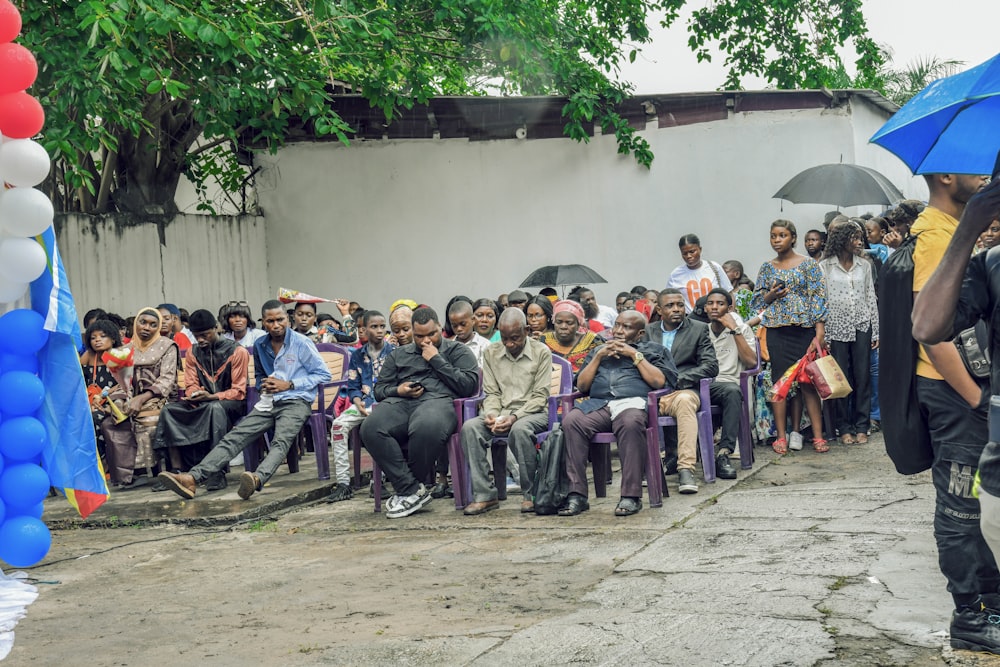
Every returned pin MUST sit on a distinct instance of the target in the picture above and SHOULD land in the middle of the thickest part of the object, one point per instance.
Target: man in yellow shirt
(954, 406)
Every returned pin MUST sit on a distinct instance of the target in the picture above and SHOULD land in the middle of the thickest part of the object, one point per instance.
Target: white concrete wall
(202, 262)
(427, 219)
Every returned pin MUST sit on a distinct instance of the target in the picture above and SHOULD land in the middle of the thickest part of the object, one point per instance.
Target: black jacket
(692, 352)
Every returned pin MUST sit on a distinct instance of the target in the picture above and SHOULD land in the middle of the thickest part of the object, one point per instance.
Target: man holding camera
(954, 403)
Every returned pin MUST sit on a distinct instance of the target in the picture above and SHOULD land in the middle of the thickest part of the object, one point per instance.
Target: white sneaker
(795, 441)
(399, 506)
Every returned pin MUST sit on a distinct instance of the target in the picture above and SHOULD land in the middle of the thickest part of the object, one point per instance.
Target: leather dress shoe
(481, 507)
(724, 469)
(575, 504)
(442, 489)
(181, 483)
(216, 481)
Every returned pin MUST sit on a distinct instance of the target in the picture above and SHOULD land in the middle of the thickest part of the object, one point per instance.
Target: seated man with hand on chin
(617, 376)
(415, 390)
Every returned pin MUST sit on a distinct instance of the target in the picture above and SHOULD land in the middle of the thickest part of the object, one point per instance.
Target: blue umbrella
(950, 127)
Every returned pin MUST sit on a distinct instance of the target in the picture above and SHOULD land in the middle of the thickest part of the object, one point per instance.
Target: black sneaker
(685, 482)
(670, 465)
(216, 481)
(339, 493)
(723, 468)
(976, 630)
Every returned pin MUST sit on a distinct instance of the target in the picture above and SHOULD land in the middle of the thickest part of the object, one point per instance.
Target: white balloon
(21, 260)
(23, 163)
(25, 212)
(11, 291)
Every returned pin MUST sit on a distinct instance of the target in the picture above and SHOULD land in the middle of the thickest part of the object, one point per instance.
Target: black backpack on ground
(907, 437)
(551, 483)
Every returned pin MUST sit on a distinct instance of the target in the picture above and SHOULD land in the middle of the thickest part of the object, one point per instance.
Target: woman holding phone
(791, 298)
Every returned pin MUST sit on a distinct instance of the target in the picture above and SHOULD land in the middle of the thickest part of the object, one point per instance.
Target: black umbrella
(562, 274)
(840, 185)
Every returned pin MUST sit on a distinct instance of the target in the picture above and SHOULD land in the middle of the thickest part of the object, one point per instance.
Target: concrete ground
(810, 559)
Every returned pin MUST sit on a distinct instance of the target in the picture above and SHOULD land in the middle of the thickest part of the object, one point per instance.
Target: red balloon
(18, 68)
(10, 21)
(21, 116)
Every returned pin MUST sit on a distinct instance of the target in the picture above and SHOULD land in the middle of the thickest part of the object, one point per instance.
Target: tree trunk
(149, 166)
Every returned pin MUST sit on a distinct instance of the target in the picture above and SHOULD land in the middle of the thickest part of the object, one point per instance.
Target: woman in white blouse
(851, 325)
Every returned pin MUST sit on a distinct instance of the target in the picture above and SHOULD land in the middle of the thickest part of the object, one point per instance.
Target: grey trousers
(286, 418)
(476, 441)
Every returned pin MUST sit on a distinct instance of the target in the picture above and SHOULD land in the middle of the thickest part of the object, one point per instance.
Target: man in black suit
(694, 356)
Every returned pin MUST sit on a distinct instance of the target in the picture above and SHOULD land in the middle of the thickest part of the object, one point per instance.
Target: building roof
(488, 118)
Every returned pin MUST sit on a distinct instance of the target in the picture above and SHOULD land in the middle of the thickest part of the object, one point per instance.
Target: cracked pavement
(806, 560)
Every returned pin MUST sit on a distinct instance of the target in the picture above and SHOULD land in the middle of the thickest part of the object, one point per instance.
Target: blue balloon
(22, 438)
(34, 511)
(22, 331)
(19, 362)
(3, 511)
(23, 485)
(21, 393)
(24, 540)
(1, 464)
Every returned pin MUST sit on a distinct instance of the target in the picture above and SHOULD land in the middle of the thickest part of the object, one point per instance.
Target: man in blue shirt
(617, 377)
(289, 369)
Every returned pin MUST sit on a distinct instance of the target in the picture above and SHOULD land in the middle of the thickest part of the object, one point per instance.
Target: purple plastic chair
(561, 386)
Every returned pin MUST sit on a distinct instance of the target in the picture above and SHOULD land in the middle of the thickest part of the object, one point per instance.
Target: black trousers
(423, 426)
(958, 436)
(852, 414)
(728, 397)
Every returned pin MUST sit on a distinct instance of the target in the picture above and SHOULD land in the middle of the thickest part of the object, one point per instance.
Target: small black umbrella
(562, 274)
(840, 185)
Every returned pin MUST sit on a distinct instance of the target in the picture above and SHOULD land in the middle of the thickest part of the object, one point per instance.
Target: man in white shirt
(735, 350)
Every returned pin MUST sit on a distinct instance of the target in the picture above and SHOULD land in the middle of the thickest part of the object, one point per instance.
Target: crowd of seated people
(184, 393)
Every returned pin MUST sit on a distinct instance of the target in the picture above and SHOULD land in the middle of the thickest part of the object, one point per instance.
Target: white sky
(964, 30)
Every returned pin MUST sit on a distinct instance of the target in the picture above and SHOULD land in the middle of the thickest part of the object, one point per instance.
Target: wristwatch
(291, 385)
(732, 332)
(639, 356)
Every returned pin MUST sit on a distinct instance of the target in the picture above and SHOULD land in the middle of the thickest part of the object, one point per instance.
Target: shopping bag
(825, 375)
(779, 391)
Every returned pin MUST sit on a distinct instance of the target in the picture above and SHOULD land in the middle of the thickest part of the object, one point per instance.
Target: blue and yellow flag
(71, 456)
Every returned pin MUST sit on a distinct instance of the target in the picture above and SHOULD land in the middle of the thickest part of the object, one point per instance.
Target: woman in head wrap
(566, 339)
(140, 395)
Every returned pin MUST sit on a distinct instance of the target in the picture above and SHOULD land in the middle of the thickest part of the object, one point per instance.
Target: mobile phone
(779, 285)
(416, 385)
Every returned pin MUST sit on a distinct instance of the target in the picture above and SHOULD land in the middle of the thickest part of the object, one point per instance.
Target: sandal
(820, 445)
(628, 506)
(862, 439)
(780, 446)
(847, 439)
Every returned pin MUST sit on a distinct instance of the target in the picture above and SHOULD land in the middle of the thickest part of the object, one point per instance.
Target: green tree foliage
(790, 43)
(129, 86)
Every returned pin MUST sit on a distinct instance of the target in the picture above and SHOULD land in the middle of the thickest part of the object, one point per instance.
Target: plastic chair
(561, 385)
